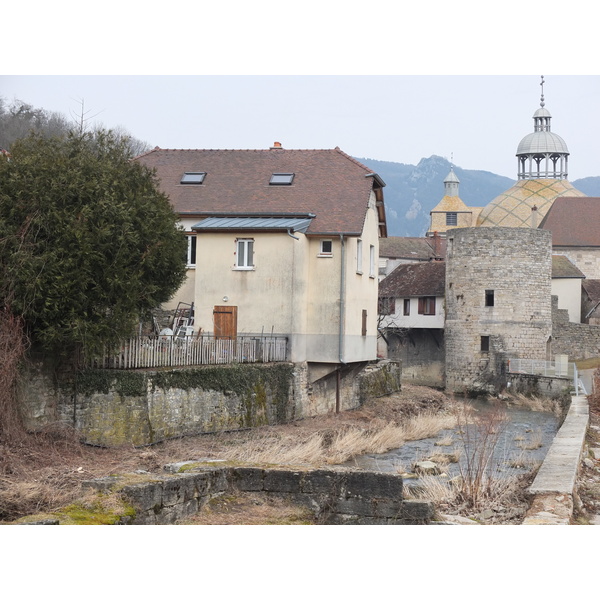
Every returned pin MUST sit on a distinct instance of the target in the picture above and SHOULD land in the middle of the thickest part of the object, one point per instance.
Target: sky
(386, 81)
(475, 121)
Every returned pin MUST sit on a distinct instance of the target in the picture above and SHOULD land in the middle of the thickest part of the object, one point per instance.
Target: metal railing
(171, 351)
(544, 368)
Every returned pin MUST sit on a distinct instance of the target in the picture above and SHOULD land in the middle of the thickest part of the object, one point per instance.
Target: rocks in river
(426, 467)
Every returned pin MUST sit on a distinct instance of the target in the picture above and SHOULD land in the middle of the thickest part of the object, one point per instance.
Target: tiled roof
(513, 207)
(451, 204)
(592, 287)
(563, 268)
(418, 279)
(329, 183)
(414, 248)
(574, 221)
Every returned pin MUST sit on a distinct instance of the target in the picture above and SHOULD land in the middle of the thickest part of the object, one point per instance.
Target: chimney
(437, 244)
(276, 146)
(534, 215)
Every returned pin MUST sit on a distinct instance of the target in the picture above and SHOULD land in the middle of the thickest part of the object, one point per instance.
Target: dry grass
(45, 470)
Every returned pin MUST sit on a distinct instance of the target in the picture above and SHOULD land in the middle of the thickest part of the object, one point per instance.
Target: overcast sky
(317, 74)
(476, 120)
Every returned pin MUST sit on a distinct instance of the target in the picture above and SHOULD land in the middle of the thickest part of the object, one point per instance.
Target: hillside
(411, 191)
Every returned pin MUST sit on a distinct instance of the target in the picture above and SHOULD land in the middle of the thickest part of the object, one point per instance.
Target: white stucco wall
(415, 320)
(569, 297)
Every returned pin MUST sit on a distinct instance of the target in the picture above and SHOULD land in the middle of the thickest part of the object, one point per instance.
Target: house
(411, 320)
(566, 285)
(281, 242)
(394, 251)
(573, 222)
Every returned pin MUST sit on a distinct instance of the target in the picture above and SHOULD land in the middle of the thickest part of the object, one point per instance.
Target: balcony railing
(148, 352)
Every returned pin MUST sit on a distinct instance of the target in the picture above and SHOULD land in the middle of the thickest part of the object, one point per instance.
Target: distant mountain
(411, 191)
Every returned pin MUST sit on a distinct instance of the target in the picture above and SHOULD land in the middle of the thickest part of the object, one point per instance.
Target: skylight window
(193, 178)
(281, 179)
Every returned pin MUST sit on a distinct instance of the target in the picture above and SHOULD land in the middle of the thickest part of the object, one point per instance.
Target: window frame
(359, 256)
(427, 306)
(192, 245)
(288, 181)
(489, 298)
(386, 306)
(322, 251)
(245, 243)
(450, 217)
(484, 343)
(193, 180)
(372, 261)
(406, 307)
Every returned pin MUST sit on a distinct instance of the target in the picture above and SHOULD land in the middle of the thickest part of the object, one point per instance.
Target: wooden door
(225, 321)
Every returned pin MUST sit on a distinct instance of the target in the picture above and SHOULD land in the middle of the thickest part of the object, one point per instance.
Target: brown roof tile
(592, 287)
(417, 279)
(574, 221)
(415, 248)
(563, 268)
(329, 183)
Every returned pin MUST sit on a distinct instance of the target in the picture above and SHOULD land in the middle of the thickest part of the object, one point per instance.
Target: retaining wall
(337, 497)
(112, 408)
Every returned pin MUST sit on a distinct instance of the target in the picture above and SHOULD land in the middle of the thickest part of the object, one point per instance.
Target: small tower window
(452, 219)
(485, 343)
(489, 297)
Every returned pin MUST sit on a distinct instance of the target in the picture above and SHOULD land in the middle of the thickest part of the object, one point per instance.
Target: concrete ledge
(554, 484)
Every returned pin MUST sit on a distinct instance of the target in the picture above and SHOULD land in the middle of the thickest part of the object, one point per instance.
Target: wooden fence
(169, 351)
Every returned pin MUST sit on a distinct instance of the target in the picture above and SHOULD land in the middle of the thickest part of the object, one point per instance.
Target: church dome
(513, 208)
(542, 142)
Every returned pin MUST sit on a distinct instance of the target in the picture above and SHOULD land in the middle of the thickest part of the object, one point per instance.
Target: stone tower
(498, 303)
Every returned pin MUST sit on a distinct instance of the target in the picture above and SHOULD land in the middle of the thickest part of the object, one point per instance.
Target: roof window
(193, 178)
(281, 179)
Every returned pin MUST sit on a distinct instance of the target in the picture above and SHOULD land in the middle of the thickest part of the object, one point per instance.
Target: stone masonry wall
(515, 264)
(110, 408)
(576, 340)
(337, 497)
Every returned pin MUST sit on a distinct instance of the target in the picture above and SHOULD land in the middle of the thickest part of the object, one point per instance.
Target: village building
(281, 242)
(394, 251)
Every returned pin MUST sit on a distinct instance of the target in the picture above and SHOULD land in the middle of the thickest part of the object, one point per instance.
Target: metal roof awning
(292, 223)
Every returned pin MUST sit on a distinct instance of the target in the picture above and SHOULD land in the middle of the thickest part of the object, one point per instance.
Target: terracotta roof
(414, 248)
(328, 183)
(574, 221)
(563, 268)
(418, 279)
(592, 287)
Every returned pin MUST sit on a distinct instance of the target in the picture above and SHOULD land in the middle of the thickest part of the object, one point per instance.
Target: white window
(359, 258)
(371, 261)
(244, 258)
(326, 248)
(191, 250)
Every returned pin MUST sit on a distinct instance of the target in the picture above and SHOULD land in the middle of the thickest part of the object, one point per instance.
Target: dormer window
(281, 179)
(193, 178)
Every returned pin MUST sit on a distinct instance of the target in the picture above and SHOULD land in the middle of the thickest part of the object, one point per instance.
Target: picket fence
(148, 352)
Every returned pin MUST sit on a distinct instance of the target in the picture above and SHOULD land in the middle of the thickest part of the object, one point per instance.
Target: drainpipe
(342, 315)
(289, 232)
(342, 300)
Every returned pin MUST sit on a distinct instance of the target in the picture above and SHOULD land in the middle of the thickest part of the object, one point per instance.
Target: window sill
(243, 268)
(324, 255)
(190, 266)
(359, 272)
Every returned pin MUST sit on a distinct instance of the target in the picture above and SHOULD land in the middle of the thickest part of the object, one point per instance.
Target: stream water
(522, 442)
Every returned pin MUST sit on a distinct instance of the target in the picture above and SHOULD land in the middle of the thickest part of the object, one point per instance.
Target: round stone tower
(498, 303)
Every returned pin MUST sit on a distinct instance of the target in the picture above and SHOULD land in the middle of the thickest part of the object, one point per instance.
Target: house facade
(281, 242)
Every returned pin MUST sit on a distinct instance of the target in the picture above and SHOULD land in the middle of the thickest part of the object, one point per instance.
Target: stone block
(247, 479)
(282, 481)
(320, 481)
(416, 511)
(143, 496)
(372, 485)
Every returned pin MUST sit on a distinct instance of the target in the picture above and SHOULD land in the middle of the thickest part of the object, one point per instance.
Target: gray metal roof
(542, 142)
(273, 223)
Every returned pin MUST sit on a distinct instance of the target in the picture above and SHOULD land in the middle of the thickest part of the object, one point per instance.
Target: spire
(542, 98)
(451, 183)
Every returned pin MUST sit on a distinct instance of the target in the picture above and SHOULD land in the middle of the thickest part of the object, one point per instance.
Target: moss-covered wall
(112, 408)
